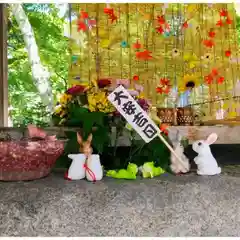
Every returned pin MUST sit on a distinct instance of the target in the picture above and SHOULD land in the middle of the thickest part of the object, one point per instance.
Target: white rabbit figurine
(77, 169)
(94, 171)
(175, 166)
(206, 163)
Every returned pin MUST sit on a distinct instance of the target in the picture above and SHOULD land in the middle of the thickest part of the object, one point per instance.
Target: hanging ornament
(220, 80)
(166, 34)
(208, 79)
(185, 25)
(161, 20)
(229, 21)
(219, 23)
(223, 13)
(145, 55)
(208, 43)
(74, 59)
(164, 86)
(135, 77)
(111, 14)
(160, 30)
(211, 33)
(214, 76)
(137, 45)
(228, 53)
(81, 26)
(224, 18)
(124, 44)
(90, 23)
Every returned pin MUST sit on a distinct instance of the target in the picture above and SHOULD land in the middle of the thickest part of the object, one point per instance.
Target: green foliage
(54, 53)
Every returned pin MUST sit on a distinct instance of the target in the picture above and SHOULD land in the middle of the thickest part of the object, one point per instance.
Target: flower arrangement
(86, 107)
(93, 98)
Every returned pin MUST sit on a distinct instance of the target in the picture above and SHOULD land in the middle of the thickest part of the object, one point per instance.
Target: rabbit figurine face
(85, 147)
(202, 146)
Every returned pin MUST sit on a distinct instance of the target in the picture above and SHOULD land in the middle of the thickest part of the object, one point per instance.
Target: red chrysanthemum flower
(104, 82)
(76, 89)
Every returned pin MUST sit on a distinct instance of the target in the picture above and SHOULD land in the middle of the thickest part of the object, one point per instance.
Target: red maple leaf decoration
(214, 72)
(145, 55)
(165, 82)
(219, 23)
(108, 11)
(84, 14)
(159, 90)
(164, 86)
(220, 80)
(160, 29)
(228, 53)
(81, 26)
(137, 45)
(208, 79)
(185, 25)
(161, 19)
(113, 18)
(208, 43)
(211, 34)
(223, 13)
(228, 21)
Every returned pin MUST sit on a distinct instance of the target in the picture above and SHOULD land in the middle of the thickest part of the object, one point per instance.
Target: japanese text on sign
(134, 114)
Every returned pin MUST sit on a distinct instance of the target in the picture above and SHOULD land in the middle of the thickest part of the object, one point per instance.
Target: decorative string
(90, 172)
(97, 42)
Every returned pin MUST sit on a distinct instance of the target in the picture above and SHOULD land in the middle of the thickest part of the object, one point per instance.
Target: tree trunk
(40, 73)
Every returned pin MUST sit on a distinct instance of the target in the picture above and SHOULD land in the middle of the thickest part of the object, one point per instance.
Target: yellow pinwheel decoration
(191, 60)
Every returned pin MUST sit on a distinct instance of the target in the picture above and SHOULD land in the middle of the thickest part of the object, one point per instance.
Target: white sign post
(137, 117)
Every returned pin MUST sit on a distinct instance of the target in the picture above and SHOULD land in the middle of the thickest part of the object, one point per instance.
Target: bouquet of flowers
(86, 106)
(92, 98)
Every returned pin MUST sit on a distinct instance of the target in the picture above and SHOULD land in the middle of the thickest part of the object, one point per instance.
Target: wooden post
(3, 67)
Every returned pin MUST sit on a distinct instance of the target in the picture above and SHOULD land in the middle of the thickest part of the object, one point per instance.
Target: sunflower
(188, 82)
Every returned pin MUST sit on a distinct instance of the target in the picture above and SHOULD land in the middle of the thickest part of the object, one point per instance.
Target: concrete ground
(166, 206)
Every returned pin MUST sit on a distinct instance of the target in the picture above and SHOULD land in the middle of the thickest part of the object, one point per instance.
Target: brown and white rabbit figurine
(206, 163)
(94, 171)
(77, 169)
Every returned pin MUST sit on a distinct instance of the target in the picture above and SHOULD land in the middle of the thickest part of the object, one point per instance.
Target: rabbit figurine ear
(178, 137)
(79, 138)
(212, 138)
(89, 139)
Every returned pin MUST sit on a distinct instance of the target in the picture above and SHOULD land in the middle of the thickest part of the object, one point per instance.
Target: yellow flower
(91, 108)
(188, 82)
(58, 109)
(65, 98)
(97, 101)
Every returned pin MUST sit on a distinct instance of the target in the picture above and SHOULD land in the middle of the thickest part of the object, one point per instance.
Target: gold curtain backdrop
(184, 43)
